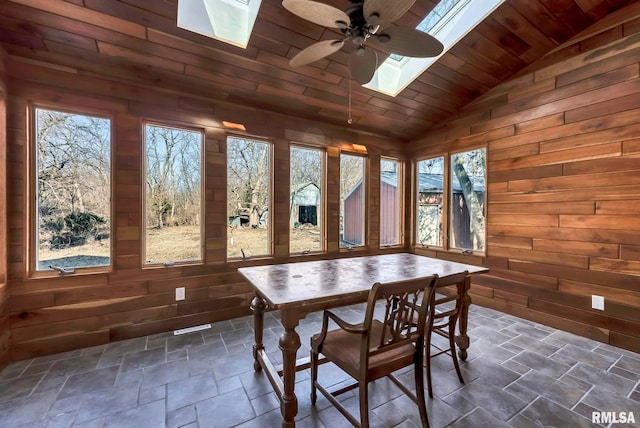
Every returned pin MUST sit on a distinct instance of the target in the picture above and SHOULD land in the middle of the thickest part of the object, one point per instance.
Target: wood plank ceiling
(138, 42)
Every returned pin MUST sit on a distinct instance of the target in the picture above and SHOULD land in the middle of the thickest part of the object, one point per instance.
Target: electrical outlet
(597, 302)
(180, 293)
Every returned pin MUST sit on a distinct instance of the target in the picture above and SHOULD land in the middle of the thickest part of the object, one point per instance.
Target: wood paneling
(139, 41)
(54, 314)
(4, 290)
(562, 209)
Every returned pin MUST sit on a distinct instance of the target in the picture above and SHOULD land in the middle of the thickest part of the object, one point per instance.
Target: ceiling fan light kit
(369, 25)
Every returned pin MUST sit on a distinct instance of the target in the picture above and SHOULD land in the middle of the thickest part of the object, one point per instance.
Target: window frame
(144, 165)
(31, 227)
(270, 205)
(323, 197)
(365, 200)
(446, 203)
(401, 202)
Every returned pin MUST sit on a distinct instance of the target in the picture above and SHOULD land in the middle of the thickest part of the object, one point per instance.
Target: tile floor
(518, 374)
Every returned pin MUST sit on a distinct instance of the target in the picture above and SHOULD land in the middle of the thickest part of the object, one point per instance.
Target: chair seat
(343, 348)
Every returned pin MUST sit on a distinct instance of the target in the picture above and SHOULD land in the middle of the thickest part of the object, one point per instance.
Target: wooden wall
(4, 293)
(54, 314)
(563, 211)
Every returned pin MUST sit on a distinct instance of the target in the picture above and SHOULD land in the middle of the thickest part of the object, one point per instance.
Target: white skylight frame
(392, 76)
(230, 21)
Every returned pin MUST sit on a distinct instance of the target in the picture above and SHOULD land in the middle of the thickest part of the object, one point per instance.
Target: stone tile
(493, 373)
(571, 354)
(550, 414)
(265, 403)
(150, 415)
(164, 373)
(183, 341)
(542, 364)
(477, 418)
(141, 359)
(609, 381)
(552, 389)
(71, 366)
(225, 410)
(106, 402)
(125, 347)
(530, 331)
(496, 401)
(20, 387)
(629, 364)
(537, 346)
(238, 336)
(190, 390)
(90, 381)
(564, 337)
(152, 394)
(602, 399)
(25, 410)
(63, 420)
(181, 417)
(232, 365)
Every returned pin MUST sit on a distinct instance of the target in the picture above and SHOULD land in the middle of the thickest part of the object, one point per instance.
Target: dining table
(299, 288)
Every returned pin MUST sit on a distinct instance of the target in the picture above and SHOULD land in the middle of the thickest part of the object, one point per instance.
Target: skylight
(448, 22)
(230, 21)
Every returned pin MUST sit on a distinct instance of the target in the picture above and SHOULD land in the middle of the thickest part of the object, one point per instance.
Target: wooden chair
(378, 346)
(442, 318)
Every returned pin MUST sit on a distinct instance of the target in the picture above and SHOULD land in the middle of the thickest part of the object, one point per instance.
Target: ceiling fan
(368, 24)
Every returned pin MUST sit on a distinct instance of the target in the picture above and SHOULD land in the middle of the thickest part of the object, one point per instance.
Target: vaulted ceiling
(137, 41)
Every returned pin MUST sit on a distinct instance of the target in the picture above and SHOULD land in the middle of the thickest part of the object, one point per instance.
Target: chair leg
(420, 397)
(364, 403)
(314, 376)
(427, 360)
(452, 346)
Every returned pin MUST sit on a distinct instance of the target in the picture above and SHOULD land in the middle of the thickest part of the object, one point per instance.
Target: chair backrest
(438, 300)
(402, 305)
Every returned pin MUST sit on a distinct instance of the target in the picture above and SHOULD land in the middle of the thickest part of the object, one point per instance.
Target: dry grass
(183, 243)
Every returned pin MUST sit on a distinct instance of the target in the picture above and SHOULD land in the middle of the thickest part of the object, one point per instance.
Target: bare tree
(473, 161)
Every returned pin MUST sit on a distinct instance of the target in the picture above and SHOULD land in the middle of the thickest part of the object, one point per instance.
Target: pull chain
(350, 120)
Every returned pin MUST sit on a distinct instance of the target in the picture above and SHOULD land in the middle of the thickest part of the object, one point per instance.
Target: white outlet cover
(180, 293)
(597, 302)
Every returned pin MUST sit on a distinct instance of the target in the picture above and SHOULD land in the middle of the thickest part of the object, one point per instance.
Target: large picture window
(173, 194)
(73, 191)
(248, 197)
(430, 193)
(305, 203)
(352, 200)
(467, 219)
(391, 197)
(464, 219)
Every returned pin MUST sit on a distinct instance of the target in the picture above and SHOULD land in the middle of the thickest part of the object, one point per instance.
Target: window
(248, 197)
(305, 202)
(449, 21)
(73, 191)
(465, 218)
(467, 221)
(391, 197)
(230, 21)
(352, 201)
(173, 195)
(430, 188)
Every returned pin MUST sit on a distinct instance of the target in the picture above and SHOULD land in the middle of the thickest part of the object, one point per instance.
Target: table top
(306, 282)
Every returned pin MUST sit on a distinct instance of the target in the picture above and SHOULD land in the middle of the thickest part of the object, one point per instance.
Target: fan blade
(408, 42)
(387, 11)
(363, 66)
(318, 13)
(316, 51)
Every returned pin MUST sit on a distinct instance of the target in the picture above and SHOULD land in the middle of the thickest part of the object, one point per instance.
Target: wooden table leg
(258, 306)
(289, 344)
(462, 340)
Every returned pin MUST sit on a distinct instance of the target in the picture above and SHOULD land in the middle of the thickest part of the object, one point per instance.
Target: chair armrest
(316, 341)
(350, 328)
